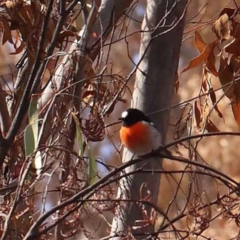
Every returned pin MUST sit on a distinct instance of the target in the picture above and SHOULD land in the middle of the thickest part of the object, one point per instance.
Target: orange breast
(135, 137)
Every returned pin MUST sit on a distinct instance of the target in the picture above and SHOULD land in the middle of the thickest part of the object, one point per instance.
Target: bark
(154, 87)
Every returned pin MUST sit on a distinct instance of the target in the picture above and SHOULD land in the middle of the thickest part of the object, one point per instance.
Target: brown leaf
(233, 47)
(210, 64)
(7, 36)
(229, 11)
(236, 112)
(211, 127)
(26, 14)
(214, 101)
(235, 63)
(197, 114)
(226, 78)
(235, 29)
(64, 35)
(88, 71)
(199, 42)
(51, 64)
(88, 96)
(19, 49)
(221, 27)
(203, 57)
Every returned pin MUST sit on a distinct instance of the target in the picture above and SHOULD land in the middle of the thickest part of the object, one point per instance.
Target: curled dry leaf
(231, 88)
(211, 127)
(93, 127)
(214, 101)
(197, 114)
(199, 42)
(19, 49)
(236, 112)
(226, 78)
(7, 36)
(206, 55)
(222, 26)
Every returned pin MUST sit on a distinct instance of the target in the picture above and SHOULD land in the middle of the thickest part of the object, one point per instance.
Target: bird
(138, 133)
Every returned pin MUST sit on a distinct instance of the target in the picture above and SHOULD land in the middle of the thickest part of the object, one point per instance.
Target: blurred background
(221, 152)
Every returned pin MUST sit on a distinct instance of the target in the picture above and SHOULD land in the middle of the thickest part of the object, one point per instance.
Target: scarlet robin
(138, 133)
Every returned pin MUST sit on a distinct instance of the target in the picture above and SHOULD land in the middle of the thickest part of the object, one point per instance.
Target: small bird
(138, 133)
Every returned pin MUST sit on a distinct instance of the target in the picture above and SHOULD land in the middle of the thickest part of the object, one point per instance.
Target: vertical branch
(159, 53)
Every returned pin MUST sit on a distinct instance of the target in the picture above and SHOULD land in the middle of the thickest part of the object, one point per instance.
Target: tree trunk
(154, 87)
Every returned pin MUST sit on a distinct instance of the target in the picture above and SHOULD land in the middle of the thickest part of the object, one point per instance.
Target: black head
(132, 116)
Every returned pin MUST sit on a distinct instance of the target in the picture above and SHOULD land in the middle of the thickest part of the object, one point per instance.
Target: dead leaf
(222, 26)
(19, 49)
(197, 114)
(214, 101)
(203, 57)
(236, 112)
(7, 36)
(233, 47)
(211, 127)
(65, 35)
(226, 78)
(229, 11)
(210, 64)
(51, 64)
(199, 42)
(235, 29)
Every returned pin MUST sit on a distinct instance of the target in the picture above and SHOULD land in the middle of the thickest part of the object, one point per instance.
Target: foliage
(61, 104)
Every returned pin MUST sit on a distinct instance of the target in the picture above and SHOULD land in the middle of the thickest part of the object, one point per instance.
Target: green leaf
(29, 144)
(31, 134)
(79, 135)
(33, 118)
(92, 167)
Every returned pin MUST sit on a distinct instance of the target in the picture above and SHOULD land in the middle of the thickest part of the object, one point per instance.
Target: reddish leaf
(229, 11)
(233, 47)
(211, 127)
(66, 34)
(236, 112)
(19, 49)
(211, 64)
(7, 36)
(197, 114)
(199, 42)
(203, 57)
(214, 102)
(226, 78)
(51, 64)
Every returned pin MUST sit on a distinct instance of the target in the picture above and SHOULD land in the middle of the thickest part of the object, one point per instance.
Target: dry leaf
(199, 42)
(203, 57)
(226, 78)
(221, 27)
(7, 36)
(214, 101)
(211, 127)
(236, 112)
(210, 64)
(197, 114)
(229, 11)
(19, 49)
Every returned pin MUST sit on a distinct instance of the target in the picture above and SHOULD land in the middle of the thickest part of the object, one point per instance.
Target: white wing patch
(124, 114)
